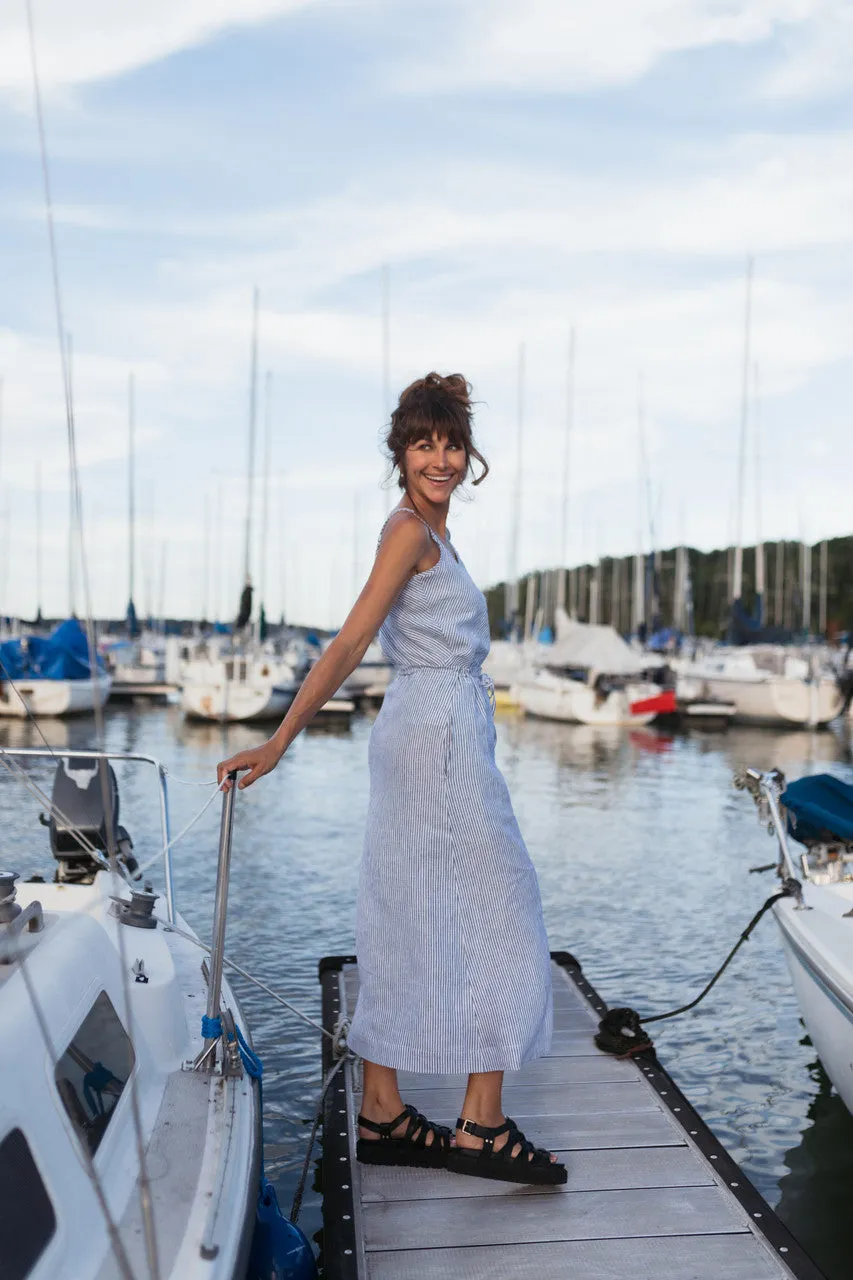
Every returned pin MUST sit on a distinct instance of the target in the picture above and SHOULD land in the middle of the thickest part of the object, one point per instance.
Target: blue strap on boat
(94, 1084)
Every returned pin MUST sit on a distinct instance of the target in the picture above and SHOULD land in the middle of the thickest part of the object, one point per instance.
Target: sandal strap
(523, 1148)
(387, 1127)
(417, 1131)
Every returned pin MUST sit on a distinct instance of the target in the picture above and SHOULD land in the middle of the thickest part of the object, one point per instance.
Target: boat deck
(651, 1195)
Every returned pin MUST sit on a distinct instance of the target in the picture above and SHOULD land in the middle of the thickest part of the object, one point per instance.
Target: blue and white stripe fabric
(453, 956)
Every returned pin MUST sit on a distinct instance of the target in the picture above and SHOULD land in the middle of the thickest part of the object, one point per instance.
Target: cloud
(818, 58)
(95, 39)
(572, 46)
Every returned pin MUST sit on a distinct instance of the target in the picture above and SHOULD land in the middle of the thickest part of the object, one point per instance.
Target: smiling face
(434, 467)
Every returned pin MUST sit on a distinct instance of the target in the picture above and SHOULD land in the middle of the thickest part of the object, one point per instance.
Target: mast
(38, 542)
(516, 514)
(355, 546)
(72, 522)
(250, 474)
(737, 575)
(205, 588)
(759, 544)
(806, 559)
(131, 503)
(778, 594)
(386, 362)
(5, 558)
(822, 597)
(219, 573)
(570, 412)
(639, 610)
(262, 584)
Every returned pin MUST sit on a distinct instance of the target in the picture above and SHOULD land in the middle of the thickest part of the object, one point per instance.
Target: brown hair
(433, 405)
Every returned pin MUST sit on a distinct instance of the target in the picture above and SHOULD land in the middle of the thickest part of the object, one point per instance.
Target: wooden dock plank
(643, 1199)
(543, 1100)
(575, 1215)
(737, 1257)
(592, 1067)
(602, 1170)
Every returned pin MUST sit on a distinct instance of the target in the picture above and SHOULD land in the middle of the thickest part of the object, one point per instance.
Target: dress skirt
(453, 956)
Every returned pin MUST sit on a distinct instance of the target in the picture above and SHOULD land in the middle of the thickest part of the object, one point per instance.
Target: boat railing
(766, 789)
(67, 753)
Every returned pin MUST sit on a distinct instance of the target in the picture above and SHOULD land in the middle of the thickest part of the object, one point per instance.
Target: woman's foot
(501, 1151)
(405, 1139)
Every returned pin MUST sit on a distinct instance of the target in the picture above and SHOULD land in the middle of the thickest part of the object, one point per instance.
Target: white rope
(170, 844)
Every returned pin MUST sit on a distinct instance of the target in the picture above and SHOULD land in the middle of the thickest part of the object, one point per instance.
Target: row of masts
(581, 599)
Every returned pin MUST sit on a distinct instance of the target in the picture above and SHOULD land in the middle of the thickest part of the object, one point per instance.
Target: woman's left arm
(398, 554)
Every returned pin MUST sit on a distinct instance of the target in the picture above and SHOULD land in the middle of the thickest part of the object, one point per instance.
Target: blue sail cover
(64, 655)
(820, 809)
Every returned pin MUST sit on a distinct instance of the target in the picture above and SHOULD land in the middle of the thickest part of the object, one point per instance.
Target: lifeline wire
(182, 933)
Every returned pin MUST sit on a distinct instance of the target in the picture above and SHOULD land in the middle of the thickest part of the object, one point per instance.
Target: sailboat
(591, 676)
(249, 682)
(814, 921)
(51, 676)
(769, 683)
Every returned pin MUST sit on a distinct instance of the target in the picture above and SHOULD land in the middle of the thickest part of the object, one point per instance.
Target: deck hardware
(15, 920)
(138, 913)
(138, 971)
(232, 1063)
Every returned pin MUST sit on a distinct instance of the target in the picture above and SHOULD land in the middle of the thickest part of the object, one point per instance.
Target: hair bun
(450, 384)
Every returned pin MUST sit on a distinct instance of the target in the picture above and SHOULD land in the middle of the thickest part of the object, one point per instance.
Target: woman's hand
(258, 760)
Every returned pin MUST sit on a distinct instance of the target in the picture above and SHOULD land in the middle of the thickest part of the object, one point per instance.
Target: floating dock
(651, 1195)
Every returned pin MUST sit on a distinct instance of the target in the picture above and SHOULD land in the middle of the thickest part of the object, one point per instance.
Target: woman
(453, 957)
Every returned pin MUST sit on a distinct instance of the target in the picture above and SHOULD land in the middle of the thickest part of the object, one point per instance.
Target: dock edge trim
(785, 1246)
(339, 1253)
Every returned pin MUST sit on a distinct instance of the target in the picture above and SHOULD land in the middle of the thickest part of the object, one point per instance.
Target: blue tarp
(64, 655)
(819, 808)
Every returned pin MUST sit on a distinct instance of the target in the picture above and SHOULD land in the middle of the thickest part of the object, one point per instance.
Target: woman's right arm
(403, 545)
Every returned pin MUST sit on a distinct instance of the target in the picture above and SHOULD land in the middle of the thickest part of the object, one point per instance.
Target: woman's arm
(403, 545)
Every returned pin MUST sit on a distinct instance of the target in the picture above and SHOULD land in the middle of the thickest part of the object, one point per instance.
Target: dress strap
(408, 511)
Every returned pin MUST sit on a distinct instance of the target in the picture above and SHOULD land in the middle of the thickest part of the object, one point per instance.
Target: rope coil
(620, 1030)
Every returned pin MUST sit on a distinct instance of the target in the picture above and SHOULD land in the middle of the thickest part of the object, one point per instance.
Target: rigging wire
(77, 507)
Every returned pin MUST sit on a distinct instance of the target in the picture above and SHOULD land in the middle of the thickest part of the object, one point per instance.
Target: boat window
(93, 1071)
(26, 1204)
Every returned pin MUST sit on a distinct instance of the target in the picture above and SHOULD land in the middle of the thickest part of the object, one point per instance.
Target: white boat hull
(818, 947)
(231, 701)
(777, 700)
(551, 697)
(200, 1131)
(52, 697)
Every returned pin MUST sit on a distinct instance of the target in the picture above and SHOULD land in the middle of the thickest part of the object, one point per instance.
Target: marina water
(643, 851)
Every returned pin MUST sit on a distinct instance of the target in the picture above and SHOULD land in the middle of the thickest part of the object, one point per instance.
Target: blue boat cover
(820, 809)
(63, 655)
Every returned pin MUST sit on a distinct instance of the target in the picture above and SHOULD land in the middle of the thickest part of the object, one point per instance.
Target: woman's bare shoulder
(404, 529)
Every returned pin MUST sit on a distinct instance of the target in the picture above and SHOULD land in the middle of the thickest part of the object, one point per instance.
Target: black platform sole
(476, 1165)
(399, 1152)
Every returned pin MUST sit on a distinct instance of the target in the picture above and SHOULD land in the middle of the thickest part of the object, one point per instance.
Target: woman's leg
(381, 1101)
(483, 1105)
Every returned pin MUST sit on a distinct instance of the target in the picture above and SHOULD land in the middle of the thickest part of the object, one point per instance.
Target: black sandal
(411, 1147)
(529, 1164)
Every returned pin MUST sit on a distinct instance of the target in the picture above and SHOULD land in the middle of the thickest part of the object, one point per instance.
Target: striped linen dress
(453, 957)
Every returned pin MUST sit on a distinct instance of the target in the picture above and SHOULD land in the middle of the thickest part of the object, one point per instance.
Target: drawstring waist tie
(476, 675)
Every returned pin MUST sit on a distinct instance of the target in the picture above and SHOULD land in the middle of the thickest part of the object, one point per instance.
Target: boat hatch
(24, 1200)
(93, 1070)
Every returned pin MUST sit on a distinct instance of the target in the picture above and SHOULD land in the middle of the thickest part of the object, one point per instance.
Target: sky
(517, 170)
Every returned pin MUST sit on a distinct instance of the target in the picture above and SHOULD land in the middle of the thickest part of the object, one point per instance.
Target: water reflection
(642, 847)
(816, 1193)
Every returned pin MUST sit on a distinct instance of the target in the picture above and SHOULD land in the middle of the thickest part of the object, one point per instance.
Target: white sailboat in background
(768, 684)
(250, 681)
(591, 676)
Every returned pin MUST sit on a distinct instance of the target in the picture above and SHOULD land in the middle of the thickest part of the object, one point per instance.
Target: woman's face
(434, 468)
